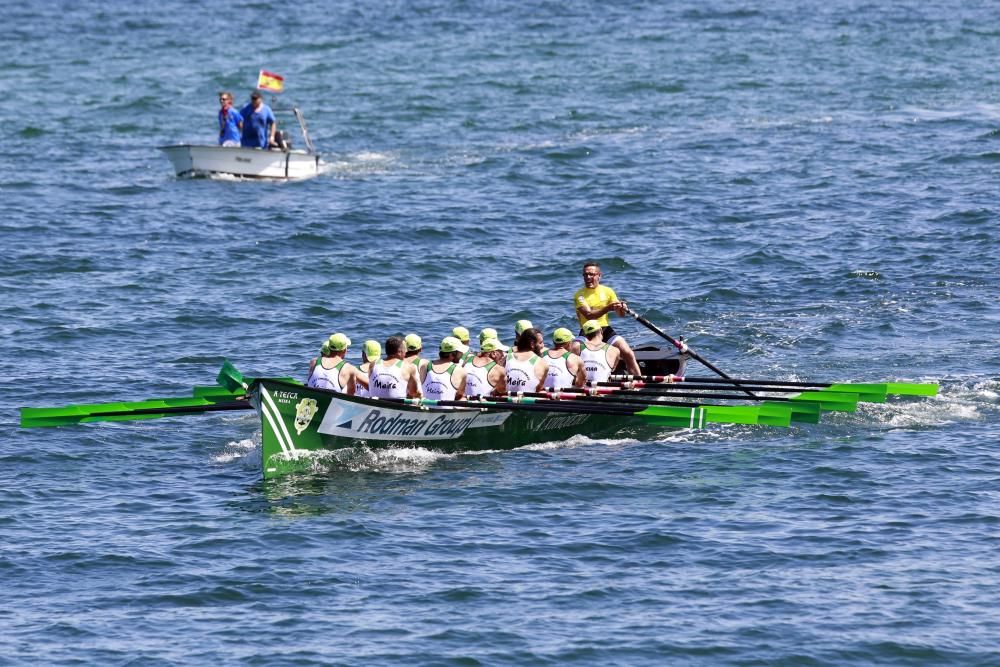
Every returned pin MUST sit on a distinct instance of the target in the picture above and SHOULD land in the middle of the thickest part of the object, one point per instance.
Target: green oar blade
(125, 410)
(697, 417)
(799, 411)
(866, 393)
(870, 392)
(830, 400)
(232, 379)
(775, 414)
(214, 390)
(912, 388)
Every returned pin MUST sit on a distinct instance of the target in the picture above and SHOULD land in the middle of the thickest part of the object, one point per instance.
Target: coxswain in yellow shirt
(595, 301)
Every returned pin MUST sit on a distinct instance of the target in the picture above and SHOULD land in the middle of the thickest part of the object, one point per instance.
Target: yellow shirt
(595, 298)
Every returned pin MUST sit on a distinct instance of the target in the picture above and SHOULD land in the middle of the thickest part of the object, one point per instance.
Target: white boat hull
(194, 160)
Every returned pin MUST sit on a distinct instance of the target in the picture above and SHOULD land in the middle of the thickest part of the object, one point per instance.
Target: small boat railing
(283, 112)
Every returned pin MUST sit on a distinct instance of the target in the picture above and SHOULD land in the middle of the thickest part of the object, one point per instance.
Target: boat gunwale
(378, 402)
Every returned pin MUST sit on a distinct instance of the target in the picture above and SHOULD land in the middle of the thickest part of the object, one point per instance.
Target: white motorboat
(212, 160)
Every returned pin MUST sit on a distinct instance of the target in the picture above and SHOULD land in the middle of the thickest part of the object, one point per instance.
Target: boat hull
(298, 421)
(194, 160)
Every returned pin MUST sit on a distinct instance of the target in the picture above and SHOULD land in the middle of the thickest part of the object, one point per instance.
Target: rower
(490, 332)
(462, 334)
(565, 368)
(370, 353)
(599, 358)
(484, 374)
(525, 369)
(393, 377)
(444, 379)
(332, 371)
(595, 301)
(523, 325)
(324, 351)
(414, 346)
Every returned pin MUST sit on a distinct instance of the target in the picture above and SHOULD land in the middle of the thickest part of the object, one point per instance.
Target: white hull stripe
(278, 427)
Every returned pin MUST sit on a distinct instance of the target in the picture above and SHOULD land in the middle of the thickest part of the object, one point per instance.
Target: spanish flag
(270, 81)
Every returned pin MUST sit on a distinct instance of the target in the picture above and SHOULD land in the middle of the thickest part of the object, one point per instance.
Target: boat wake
(236, 450)
(957, 401)
(365, 163)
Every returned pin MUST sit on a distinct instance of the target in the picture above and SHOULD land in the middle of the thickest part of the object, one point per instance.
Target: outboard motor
(282, 139)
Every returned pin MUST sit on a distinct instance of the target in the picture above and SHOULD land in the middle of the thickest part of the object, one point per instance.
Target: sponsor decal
(387, 424)
(490, 419)
(304, 413)
(562, 421)
(517, 380)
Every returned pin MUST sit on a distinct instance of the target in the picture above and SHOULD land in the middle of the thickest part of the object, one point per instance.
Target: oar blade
(153, 408)
(830, 401)
(798, 411)
(912, 388)
(232, 379)
(215, 391)
(69, 414)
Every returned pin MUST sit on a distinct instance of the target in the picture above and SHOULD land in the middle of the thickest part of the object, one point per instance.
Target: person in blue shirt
(230, 121)
(259, 123)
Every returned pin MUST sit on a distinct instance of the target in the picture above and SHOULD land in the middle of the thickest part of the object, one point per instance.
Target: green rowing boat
(299, 424)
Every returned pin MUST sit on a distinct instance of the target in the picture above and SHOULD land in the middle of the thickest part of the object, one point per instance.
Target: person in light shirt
(565, 367)
(393, 377)
(485, 374)
(331, 370)
(444, 379)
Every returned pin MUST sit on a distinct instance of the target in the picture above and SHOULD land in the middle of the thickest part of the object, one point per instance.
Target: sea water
(803, 190)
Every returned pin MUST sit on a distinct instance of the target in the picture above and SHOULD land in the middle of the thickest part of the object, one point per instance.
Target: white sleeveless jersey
(438, 386)
(326, 378)
(360, 389)
(521, 374)
(595, 363)
(477, 379)
(558, 376)
(386, 382)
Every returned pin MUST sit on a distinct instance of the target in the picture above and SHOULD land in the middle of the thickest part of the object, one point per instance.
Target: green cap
(461, 333)
(522, 326)
(413, 343)
(489, 345)
(451, 344)
(562, 335)
(372, 350)
(590, 326)
(339, 342)
(487, 333)
(325, 348)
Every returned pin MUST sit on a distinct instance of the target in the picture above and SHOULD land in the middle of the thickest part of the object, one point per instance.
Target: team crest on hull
(304, 413)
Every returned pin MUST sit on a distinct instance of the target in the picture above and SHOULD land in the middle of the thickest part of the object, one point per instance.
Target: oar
(234, 381)
(784, 386)
(681, 416)
(654, 397)
(681, 347)
(805, 407)
(526, 404)
(128, 411)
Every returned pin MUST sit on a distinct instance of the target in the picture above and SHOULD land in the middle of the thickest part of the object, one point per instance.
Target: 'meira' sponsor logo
(402, 424)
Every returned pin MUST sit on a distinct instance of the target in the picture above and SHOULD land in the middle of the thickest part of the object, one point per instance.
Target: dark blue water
(803, 190)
